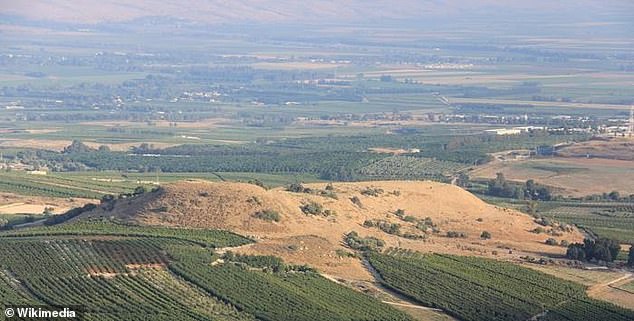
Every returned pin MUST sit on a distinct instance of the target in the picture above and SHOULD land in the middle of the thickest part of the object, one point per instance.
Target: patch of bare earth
(20, 204)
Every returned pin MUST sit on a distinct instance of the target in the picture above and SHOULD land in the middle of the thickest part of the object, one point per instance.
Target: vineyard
(117, 279)
(213, 238)
(613, 220)
(117, 272)
(606, 220)
(286, 296)
(40, 185)
(474, 289)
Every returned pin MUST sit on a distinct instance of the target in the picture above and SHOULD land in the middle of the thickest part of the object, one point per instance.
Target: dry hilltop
(318, 239)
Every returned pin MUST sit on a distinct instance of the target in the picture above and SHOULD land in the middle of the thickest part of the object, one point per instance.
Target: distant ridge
(285, 11)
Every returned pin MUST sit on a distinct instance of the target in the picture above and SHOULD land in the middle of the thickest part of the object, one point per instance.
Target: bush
(551, 241)
(312, 208)
(268, 215)
(140, 190)
(356, 201)
(372, 191)
(409, 218)
(390, 228)
(455, 234)
(257, 182)
(343, 253)
(400, 212)
(296, 188)
(485, 235)
(354, 241)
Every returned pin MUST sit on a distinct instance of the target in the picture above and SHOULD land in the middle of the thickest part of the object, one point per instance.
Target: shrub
(409, 218)
(344, 253)
(268, 215)
(312, 208)
(400, 212)
(140, 190)
(354, 241)
(329, 193)
(538, 230)
(551, 241)
(257, 182)
(372, 191)
(296, 188)
(390, 228)
(455, 234)
(356, 201)
(485, 235)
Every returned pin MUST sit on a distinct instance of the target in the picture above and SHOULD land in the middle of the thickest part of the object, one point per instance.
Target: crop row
(296, 296)
(407, 167)
(213, 238)
(474, 289)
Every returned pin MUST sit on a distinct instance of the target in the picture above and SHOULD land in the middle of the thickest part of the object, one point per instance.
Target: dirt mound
(199, 204)
(317, 239)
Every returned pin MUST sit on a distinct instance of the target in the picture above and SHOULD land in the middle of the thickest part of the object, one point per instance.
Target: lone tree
(485, 235)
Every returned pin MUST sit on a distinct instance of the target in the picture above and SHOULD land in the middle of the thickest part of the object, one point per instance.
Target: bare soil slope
(315, 239)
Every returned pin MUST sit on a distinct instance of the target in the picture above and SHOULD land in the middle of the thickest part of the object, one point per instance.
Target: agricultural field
(478, 289)
(316, 161)
(604, 219)
(569, 176)
(94, 185)
(615, 221)
(117, 272)
(406, 167)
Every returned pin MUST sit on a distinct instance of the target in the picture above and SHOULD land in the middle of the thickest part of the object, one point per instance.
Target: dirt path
(414, 306)
(223, 250)
(606, 286)
(401, 300)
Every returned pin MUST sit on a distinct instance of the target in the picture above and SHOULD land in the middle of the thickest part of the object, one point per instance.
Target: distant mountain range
(287, 11)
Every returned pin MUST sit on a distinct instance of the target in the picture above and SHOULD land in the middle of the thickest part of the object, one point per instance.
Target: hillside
(315, 239)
